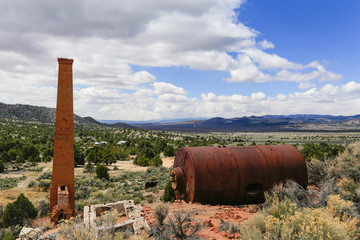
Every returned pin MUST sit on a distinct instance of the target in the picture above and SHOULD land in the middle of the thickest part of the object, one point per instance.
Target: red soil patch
(208, 216)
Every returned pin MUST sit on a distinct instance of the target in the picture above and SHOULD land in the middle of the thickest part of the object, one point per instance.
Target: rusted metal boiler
(234, 175)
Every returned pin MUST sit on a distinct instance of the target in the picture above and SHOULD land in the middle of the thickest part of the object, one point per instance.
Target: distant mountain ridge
(300, 122)
(46, 115)
(151, 121)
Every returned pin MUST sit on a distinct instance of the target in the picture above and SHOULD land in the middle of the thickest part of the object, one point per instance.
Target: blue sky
(306, 30)
(140, 60)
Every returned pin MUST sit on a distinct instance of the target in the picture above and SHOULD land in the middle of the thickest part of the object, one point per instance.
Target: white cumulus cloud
(111, 40)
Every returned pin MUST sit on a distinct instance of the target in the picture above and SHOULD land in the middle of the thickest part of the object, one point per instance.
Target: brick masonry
(63, 161)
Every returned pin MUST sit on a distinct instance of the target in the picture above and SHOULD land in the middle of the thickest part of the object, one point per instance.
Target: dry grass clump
(348, 163)
(285, 220)
(178, 226)
(292, 191)
(319, 170)
(74, 229)
(229, 227)
(287, 190)
(349, 190)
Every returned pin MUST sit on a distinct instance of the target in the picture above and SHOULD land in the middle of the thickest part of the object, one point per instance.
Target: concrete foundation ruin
(132, 218)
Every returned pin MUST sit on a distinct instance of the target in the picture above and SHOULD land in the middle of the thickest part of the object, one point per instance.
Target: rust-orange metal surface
(234, 175)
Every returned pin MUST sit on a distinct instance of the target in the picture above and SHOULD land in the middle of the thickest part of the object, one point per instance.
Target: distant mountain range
(151, 121)
(47, 115)
(300, 122)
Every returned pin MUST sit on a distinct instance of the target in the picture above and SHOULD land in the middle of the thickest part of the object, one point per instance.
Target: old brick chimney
(62, 190)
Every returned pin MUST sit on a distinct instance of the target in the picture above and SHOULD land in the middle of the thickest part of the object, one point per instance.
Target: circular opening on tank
(253, 188)
(173, 179)
(177, 178)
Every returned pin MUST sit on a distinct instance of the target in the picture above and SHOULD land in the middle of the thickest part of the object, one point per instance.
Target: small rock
(230, 236)
(25, 231)
(237, 235)
(208, 223)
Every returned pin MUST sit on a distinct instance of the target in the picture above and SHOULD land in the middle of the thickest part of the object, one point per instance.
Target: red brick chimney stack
(62, 190)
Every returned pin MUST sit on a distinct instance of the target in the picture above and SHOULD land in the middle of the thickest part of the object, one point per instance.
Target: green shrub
(47, 159)
(169, 151)
(137, 200)
(321, 151)
(8, 236)
(169, 193)
(122, 155)
(48, 152)
(2, 167)
(141, 160)
(138, 195)
(89, 167)
(79, 205)
(146, 150)
(45, 184)
(156, 161)
(160, 144)
(19, 211)
(4, 157)
(46, 175)
(6, 183)
(43, 208)
(79, 156)
(161, 212)
(102, 172)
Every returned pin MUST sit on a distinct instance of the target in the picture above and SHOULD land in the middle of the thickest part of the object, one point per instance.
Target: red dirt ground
(208, 216)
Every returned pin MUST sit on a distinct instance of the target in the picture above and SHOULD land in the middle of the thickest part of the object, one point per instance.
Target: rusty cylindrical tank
(234, 175)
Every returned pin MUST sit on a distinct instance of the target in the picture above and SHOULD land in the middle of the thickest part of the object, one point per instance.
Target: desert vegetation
(331, 202)
(328, 209)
